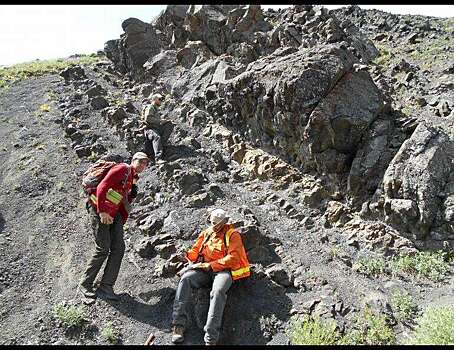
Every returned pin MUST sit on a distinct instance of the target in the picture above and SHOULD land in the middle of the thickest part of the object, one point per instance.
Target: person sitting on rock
(218, 257)
(153, 126)
(108, 207)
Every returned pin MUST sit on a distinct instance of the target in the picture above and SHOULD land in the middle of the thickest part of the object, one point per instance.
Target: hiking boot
(87, 291)
(107, 291)
(177, 334)
(210, 343)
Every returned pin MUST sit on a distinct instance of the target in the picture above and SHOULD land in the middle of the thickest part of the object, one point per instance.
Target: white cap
(156, 97)
(217, 216)
(140, 155)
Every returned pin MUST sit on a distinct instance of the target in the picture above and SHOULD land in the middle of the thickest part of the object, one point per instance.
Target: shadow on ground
(2, 223)
(158, 315)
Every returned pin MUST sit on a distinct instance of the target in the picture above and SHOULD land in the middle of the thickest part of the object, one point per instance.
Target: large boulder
(372, 159)
(310, 105)
(336, 126)
(139, 42)
(415, 178)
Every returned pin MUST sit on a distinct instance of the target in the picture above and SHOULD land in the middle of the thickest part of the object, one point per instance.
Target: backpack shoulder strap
(128, 172)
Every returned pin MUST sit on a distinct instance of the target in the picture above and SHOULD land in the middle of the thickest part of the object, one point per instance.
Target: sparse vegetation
(432, 53)
(370, 266)
(93, 156)
(435, 327)
(110, 333)
(369, 329)
(403, 305)
(384, 57)
(70, 316)
(431, 265)
(310, 331)
(22, 71)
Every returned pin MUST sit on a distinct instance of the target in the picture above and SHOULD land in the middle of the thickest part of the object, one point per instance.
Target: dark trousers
(110, 245)
(221, 281)
(155, 138)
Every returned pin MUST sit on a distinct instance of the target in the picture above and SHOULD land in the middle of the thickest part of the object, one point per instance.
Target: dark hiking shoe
(107, 291)
(177, 334)
(88, 291)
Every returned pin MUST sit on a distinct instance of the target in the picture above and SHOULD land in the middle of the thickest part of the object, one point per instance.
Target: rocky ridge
(285, 119)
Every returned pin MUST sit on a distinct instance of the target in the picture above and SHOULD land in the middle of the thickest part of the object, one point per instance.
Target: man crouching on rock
(218, 257)
(109, 207)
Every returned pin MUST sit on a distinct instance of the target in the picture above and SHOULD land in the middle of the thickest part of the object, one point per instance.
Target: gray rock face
(338, 123)
(73, 73)
(244, 32)
(190, 182)
(301, 103)
(138, 44)
(207, 23)
(372, 159)
(99, 102)
(161, 62)
(414, 178)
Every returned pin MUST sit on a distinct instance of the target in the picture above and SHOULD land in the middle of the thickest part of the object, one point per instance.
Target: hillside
(328, 136)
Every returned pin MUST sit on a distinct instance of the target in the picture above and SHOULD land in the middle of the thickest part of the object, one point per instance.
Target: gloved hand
(134, 191)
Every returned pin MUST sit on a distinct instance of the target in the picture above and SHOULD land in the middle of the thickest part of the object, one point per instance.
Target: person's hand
(106, 218)
(202, 266)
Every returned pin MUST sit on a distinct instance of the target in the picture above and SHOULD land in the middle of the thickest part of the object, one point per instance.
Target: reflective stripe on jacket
(233, 257)
(109, 195)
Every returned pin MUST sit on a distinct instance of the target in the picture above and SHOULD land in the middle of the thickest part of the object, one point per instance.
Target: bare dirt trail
(39, 218)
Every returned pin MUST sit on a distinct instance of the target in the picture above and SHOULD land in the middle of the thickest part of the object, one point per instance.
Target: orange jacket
(219, 257)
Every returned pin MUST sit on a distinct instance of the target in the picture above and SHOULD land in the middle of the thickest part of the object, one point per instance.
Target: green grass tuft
(403, 306)
(429, 265)
(369, 329)
(111, 334)
(370, 266)
(70, 316)
(435, 327)
(310, 331)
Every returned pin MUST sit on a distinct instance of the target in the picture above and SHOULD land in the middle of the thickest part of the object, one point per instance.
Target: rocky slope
(328, 136)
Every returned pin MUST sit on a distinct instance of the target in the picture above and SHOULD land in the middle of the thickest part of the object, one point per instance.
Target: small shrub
(403, 305)
(111, 334)
(93, 156)
(369, 329)
(370, 266)
(431, 265)
(311, 331)
(436, 326)
(70, 316)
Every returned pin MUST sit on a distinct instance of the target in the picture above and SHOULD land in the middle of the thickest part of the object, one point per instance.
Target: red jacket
(108, 197)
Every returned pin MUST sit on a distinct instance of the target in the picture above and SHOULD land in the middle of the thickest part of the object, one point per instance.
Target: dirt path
(38, 216)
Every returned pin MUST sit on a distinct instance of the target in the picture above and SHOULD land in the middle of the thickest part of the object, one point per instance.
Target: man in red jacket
(109, 207)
